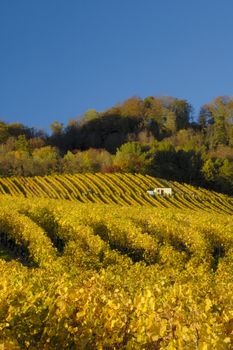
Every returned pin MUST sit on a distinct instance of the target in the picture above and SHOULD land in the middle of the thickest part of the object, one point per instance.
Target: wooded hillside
(155, 135)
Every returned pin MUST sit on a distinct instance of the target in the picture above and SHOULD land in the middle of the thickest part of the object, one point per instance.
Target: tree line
(154, 135)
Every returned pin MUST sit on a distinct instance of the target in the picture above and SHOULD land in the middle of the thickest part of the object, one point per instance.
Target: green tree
(216, 119)
(22, 144)
(56, 127)
(57, 137)
(211, 169)
(153, 109)
(4, 134)
(46, 160)
(182, 109)
(46, 153)
(89, 115)
(130, 157)
(171, 123)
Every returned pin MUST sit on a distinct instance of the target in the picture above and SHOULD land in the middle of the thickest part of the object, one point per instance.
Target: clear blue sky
(59, 58)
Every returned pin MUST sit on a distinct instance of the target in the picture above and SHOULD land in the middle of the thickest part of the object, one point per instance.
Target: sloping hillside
(117, 188)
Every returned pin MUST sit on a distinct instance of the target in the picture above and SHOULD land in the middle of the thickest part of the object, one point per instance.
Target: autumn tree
(130, 157)
(216, 119)
(133, 107)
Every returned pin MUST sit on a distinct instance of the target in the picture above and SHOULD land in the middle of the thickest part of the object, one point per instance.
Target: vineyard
(121, 189)
(113, 267)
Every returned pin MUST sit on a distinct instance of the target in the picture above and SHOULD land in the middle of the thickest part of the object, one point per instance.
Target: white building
(162, 191)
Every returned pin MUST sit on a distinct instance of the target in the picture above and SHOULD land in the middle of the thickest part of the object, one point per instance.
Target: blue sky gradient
(60, 58)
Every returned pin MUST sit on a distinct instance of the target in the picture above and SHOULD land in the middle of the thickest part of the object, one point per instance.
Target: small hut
(162, 191)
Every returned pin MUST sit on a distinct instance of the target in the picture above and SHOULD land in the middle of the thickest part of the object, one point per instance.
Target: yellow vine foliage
(95, 275)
